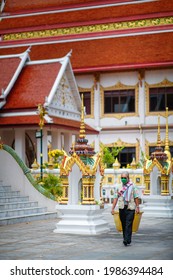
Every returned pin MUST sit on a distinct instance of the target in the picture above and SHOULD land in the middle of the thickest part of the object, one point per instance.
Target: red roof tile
(32, 86)
(17, 5)
(8, 66)
(74, 15)
(18, 121)
(105, 53)
(84, 17)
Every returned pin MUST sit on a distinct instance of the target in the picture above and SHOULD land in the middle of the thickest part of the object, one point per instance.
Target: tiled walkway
(37, 241)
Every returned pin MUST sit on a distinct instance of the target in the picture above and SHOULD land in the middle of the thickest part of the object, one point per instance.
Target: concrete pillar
(67, 141)
(20, 143)
(97, 105)
(56, 140)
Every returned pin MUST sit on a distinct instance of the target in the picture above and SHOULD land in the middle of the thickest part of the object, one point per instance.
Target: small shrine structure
(158, 179)
(81, 173)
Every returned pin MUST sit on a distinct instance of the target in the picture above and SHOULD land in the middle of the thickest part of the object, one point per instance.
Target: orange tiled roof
(123, 51)
(83, 17)
(18, 5)
(18, 121)
(132, 52)
(8, 67)
(32, 86)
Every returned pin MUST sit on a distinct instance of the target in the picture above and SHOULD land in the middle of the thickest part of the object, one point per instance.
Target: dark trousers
(127, 217)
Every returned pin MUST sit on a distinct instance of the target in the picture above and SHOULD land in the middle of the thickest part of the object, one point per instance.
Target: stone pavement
(37, 241)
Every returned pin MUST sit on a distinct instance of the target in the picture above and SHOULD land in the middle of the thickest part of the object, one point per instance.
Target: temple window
(126, 156)
(119, 101)
(160, 98)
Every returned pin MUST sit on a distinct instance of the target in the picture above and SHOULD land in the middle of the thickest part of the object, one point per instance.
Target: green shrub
(52, 184)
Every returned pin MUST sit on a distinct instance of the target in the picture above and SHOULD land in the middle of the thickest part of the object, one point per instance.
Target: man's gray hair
(126, 173)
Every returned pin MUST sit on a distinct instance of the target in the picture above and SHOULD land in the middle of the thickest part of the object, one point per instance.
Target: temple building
(118, 54)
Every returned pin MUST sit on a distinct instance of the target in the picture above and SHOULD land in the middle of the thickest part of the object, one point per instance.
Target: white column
(142, 109)
(67, 141)
(97, 105)
(97, 143)
(20, 143)
(56, 140)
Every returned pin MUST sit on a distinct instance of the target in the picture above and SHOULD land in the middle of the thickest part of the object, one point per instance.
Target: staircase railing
(27, 171)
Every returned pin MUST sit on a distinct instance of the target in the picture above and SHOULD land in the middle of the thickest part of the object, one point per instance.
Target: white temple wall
(84, 81)
(152, 137)
(126, 78)
(111, 137)
(157, 76)
(139, 121)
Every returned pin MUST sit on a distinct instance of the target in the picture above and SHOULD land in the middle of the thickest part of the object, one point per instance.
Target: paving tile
(37, 241)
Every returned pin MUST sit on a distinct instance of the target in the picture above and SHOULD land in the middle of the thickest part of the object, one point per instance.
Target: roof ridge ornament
(158, 153)
(81, 148)
(69, 53)
(167, 150)
(82, 124)
(158, 133)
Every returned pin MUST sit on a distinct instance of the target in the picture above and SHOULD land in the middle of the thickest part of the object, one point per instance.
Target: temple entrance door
(154, 180)
(80, 191)
(158, 185)
(75, 185)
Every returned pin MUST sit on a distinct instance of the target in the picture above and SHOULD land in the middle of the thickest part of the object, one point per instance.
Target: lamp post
(42, 112)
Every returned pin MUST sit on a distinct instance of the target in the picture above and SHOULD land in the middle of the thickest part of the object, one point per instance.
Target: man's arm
(113, 205)
(137, 205)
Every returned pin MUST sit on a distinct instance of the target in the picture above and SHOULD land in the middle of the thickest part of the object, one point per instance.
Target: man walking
(127, 199)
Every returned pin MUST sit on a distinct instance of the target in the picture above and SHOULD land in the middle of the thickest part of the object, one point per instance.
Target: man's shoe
(125, 243)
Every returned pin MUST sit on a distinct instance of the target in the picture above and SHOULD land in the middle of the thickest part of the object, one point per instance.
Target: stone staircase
(158, 206)
(15, 208)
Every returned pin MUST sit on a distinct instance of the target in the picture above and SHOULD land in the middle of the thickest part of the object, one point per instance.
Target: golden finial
(133, 164)
(158, 133)
(167, 150)
(82, 125)
(167, 137)
(35, 165)
(116, 164)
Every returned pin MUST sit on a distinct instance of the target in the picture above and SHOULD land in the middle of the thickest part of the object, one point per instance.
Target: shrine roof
(8, 68)
(32, 86)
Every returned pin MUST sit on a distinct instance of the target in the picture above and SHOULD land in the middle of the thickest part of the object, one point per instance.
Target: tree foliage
(110, 154)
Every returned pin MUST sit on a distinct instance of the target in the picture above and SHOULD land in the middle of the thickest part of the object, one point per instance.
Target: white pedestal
(158, 206)
(81, 219)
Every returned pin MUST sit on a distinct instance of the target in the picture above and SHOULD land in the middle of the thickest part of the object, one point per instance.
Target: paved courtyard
(37, 241)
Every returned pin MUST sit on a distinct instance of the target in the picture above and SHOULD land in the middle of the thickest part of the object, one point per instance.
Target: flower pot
(136, 221)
